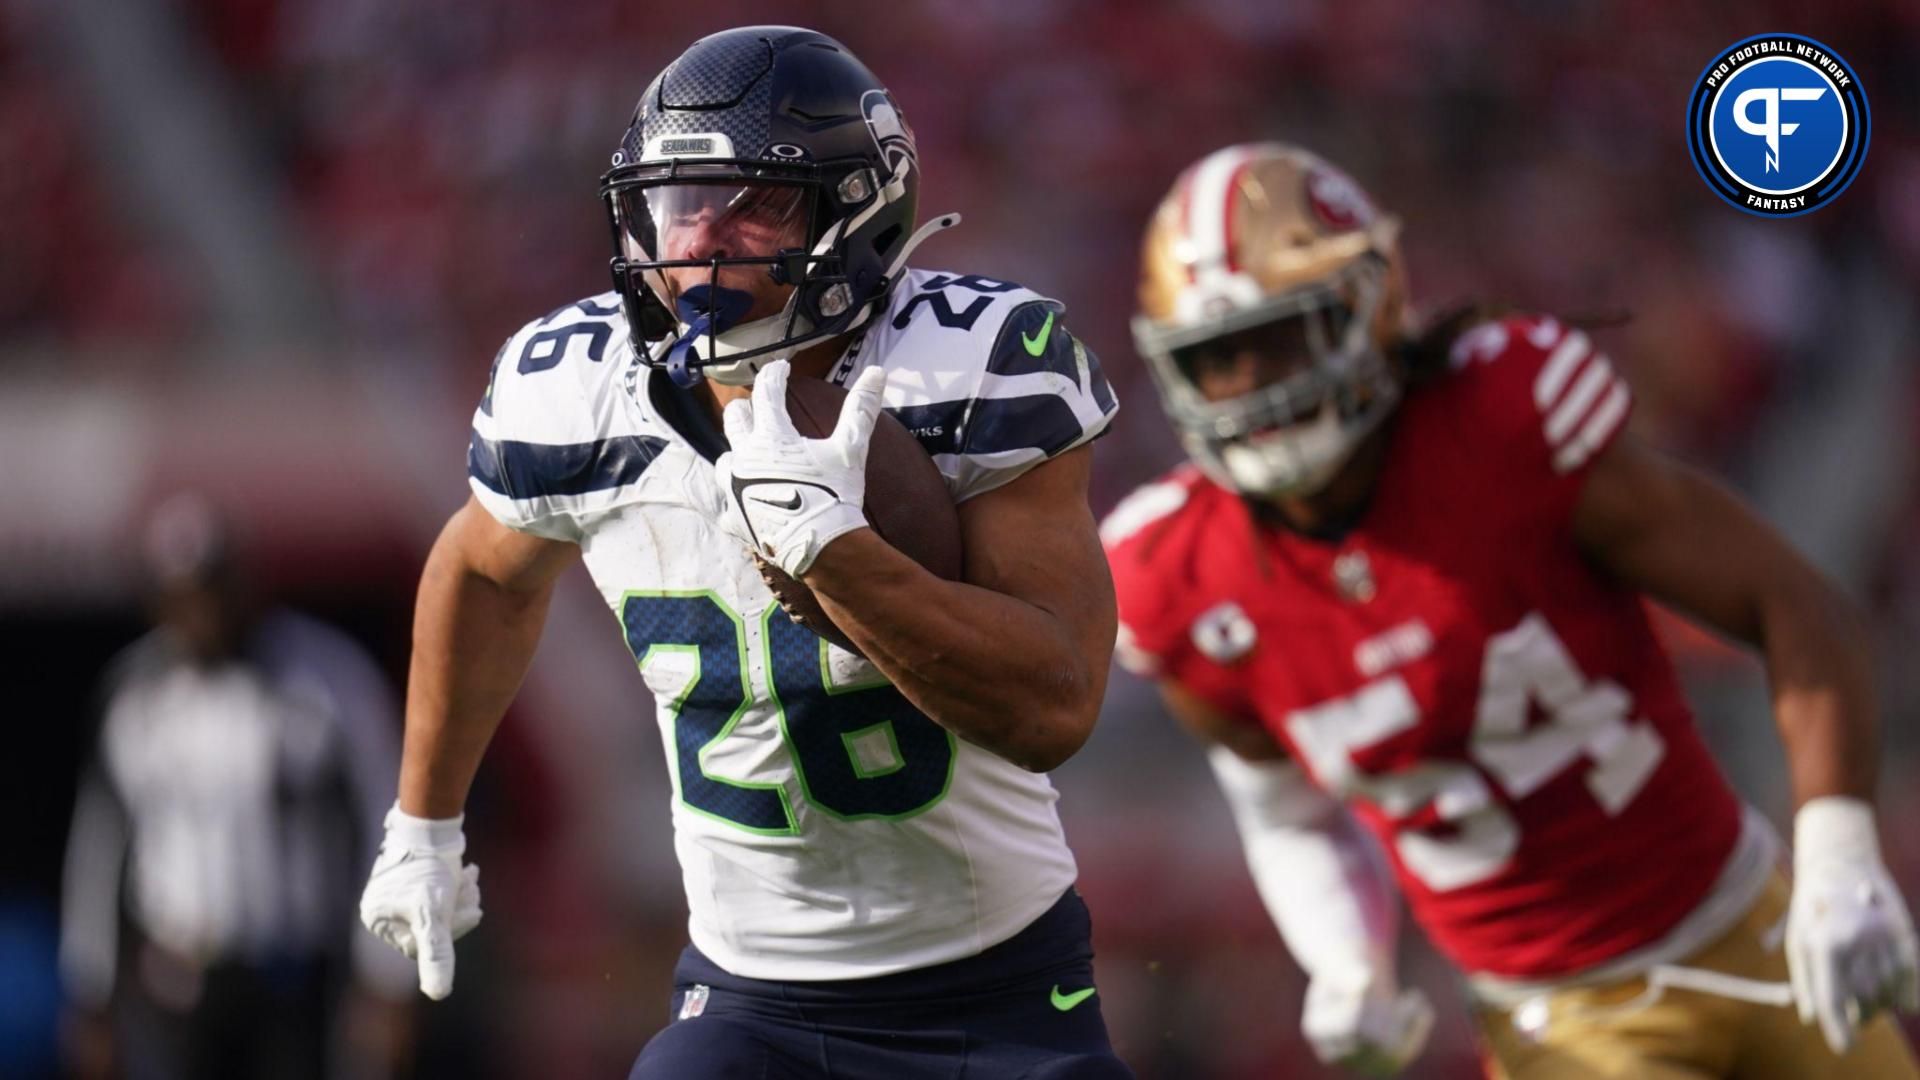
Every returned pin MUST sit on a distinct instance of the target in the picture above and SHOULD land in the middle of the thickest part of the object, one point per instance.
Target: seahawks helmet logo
(889, 130)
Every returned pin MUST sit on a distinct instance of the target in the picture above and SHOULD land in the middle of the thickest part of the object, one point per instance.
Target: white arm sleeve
(1318, 874)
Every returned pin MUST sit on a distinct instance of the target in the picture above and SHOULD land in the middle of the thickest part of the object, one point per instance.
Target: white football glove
(1365, 1026)
(787, 496)
(419, 898)
(1850, 942)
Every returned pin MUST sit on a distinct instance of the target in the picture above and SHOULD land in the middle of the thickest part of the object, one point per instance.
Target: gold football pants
(1688, 1034)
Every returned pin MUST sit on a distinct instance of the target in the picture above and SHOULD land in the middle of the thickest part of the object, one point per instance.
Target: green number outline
(826, 681)
(848, 738)
(746, 702)
(876, 681)
(826, 676)
(765, 653)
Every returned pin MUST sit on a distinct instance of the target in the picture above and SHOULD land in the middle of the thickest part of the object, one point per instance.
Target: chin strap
(684, 375)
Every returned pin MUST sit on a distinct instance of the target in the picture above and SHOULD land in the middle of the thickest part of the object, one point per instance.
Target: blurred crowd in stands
(430, 168)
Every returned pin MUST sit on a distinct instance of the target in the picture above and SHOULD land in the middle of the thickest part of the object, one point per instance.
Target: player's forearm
(1689, 542)
(1819, 663)
(472, 643)
(995, 670)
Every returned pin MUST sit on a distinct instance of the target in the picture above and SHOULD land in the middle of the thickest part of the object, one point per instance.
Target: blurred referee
(228, 812)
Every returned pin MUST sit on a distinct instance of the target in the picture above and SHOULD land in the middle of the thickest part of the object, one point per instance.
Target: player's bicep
(1672, 532)
(475, 542)
(1211, 724)
(1034, 539)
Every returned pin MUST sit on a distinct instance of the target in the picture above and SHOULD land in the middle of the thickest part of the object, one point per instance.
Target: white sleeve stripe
(1559, 368)
(1596, 376)
(1594, 434)
(995, 387)
(1085, 394)
(1140, 509)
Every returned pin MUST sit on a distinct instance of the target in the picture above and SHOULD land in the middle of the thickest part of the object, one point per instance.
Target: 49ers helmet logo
(1336, 200)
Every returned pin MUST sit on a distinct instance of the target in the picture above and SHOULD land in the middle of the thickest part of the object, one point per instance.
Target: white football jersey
(826, 829)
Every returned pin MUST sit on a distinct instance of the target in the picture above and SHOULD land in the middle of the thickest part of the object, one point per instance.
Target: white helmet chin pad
(749, 337)
(1297, 459)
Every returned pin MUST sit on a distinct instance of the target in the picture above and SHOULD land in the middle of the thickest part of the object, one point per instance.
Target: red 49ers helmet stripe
(1212, 195)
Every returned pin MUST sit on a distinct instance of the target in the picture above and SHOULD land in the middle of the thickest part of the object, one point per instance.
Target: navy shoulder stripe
(1102, 391)
(523, 470)
(937, 426)
(1032, 340)
(1043, 422)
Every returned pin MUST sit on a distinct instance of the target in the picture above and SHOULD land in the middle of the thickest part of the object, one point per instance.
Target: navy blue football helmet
(763, 154)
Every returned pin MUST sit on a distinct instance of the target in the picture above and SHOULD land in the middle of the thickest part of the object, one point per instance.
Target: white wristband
(1834, 828)
(439, 835)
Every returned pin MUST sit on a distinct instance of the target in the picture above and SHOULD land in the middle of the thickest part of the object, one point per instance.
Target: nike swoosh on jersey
(1037, 344)
(1066, 1002)
(791, 503)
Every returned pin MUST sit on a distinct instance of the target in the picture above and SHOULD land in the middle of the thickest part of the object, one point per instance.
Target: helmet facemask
(1322, 381)
(727, 262)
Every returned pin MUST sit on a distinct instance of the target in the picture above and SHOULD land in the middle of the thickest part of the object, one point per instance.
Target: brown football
(907, 501)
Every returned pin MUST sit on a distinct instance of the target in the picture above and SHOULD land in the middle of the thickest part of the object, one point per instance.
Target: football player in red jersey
(1407, 573)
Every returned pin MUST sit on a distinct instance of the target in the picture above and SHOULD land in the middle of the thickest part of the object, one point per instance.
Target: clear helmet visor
(709, 247)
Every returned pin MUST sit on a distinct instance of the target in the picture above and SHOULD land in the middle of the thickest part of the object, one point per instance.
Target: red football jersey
(1492, 705)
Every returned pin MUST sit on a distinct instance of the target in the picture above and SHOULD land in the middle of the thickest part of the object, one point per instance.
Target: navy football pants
(995, 1016)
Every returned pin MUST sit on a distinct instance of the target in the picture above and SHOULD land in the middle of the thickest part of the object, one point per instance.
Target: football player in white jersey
(877, 877)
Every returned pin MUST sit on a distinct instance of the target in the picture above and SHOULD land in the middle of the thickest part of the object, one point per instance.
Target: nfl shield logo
(1353, 576)
(695, 1002)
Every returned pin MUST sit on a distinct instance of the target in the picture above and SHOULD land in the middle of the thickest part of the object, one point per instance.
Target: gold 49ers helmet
(1266, 251)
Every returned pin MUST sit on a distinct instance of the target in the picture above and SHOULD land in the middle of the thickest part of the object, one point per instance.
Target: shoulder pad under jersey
(986, 375)
(556, 439)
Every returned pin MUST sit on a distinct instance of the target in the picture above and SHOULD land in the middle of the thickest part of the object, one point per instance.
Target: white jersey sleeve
(556, 442)
(986, 377)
